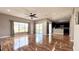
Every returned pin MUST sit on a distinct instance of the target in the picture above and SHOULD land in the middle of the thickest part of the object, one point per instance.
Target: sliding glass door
(39, 28)
(20, 27)
(39, 33)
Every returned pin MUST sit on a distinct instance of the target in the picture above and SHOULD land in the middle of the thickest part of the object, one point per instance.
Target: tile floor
(36, 42)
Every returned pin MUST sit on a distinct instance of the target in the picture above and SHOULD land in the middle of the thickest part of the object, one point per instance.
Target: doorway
(61, 28)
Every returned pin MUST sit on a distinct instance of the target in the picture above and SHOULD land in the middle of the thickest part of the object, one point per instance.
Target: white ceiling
(42, 12)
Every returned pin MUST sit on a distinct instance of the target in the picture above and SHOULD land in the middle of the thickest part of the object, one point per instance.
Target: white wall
(74, 29)
(32, 27)
(4, 26)
(76, 38)
(45, 28)
(72, 22)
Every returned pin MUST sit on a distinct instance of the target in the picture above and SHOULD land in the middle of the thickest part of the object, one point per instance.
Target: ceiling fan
(31, 15)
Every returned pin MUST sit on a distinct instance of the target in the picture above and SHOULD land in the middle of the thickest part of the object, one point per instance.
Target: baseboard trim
(4, 36)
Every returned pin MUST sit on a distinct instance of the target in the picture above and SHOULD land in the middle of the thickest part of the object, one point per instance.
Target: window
(20, 27)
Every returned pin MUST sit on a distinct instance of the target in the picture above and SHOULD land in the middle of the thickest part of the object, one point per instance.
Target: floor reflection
(20, 42)
(50, 38)
(39, 38)
(37, 42)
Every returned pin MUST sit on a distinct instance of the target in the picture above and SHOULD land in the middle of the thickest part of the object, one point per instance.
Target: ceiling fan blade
(31, 15)
(34, 14)
(35, 17)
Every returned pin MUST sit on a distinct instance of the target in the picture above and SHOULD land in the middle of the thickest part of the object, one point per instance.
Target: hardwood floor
(27, 42)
